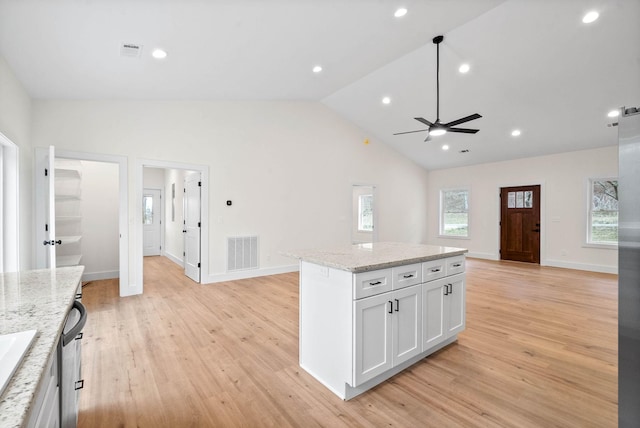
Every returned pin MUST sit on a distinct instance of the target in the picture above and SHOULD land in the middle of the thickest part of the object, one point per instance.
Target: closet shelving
(68, 178)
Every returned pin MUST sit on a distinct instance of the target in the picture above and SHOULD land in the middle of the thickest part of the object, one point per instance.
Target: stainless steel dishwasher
(69, 351)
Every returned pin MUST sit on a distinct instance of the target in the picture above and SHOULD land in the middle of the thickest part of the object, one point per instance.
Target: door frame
(10, 206)
(543, 220)
(204, 215)
(123, 209)
(162, 219)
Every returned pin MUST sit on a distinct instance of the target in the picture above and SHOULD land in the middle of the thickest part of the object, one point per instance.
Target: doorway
(46, 218)
(174, 247)
(520, 223)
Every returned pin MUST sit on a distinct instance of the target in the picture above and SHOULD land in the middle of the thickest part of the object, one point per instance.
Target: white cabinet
(359, 329)
(47, 403)
(387, 331)
(443, 303)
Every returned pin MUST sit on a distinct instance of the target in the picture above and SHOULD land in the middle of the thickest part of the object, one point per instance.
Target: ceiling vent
(130, 50)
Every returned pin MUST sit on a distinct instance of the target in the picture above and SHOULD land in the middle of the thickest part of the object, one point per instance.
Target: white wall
(564, 202)
(15, 123)
(288, 167)
(153, 178)
(100, 229)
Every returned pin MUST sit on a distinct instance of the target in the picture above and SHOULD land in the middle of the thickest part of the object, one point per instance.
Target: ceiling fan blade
(463, 130)
(463, 120)
(422, 120)
(410, 132)
(428, 138)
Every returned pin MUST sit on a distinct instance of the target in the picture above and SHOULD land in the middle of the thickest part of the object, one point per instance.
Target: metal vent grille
(131, 50)
(242, 253)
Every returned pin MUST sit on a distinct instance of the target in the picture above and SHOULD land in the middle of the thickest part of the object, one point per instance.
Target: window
(603, 211)
(147, 209)
(365, 213)
(454, 212)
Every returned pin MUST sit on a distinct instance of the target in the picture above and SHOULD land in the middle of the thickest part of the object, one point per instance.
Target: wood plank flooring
(540, 350)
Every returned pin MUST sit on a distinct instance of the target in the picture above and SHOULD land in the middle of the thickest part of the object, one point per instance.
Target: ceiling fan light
(400, 12)
(590, 17)
(437, 132)
(613, 113)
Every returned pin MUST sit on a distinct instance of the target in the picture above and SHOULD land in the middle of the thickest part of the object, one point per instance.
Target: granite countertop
(379, 255)
(37, 299)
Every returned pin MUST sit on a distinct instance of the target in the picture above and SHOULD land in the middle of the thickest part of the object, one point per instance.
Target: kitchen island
(369, 311)
(34, 300)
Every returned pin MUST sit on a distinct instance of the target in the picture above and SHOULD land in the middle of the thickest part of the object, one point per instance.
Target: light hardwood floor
(540, 350)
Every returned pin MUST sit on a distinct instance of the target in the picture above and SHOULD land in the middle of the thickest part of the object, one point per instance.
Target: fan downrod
(438, 39)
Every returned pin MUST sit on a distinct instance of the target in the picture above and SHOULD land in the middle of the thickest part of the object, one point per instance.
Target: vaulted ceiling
(534, 65)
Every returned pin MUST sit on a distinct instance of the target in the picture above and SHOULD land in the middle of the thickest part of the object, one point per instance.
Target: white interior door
(192, 225)
(152, 221)
(46, 207)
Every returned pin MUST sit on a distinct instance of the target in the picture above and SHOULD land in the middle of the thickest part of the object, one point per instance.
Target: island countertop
(41, 300)
(379, 255)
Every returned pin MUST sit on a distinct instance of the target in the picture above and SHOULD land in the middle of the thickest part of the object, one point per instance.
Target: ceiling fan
(436, 128)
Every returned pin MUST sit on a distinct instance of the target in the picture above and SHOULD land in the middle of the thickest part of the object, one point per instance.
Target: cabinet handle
(457, 265)
(446, 289)
(390, 307)
(375, 283)
(79, 385)
(435, 270)
(79, 336)
(397, 304)
(408, 276)
(451, 289)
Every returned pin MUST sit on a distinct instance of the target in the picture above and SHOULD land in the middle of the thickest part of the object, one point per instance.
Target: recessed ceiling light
(159, 54)
(386, 100)
(400, 12)
(515, 132)
(464, 68)
(590, 17)
(445, 147)
(614, 113)
(317, 69)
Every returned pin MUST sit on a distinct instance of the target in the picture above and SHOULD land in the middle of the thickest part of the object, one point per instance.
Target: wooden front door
(520, 224)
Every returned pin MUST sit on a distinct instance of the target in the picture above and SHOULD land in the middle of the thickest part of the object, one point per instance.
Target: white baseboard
(486, 256)
(251, 273)
(177, 260)
(95, 276)
(581, 266)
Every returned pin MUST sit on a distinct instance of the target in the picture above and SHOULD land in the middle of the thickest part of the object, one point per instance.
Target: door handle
(52, 242)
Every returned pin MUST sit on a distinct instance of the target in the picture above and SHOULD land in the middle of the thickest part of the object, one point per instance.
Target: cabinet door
(372, 337)
(433, 317)
(407, 323)
(455, 304)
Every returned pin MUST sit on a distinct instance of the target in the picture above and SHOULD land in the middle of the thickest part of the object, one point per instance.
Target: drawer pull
(435, 270)
(375, 283)
(408, 276)
(457, 265)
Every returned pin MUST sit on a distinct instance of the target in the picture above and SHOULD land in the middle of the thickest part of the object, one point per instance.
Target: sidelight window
(454, 213)
(602, 225)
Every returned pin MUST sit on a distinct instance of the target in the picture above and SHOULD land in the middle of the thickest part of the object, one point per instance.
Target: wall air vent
(242, 253)
(130, 50)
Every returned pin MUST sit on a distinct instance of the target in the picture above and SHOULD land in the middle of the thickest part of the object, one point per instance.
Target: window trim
(589, 202)
(441, 233)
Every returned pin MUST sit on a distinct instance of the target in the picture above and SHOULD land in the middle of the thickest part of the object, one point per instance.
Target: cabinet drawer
(404, 276)
(455, 265)
(434, 269)
(371, 283)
